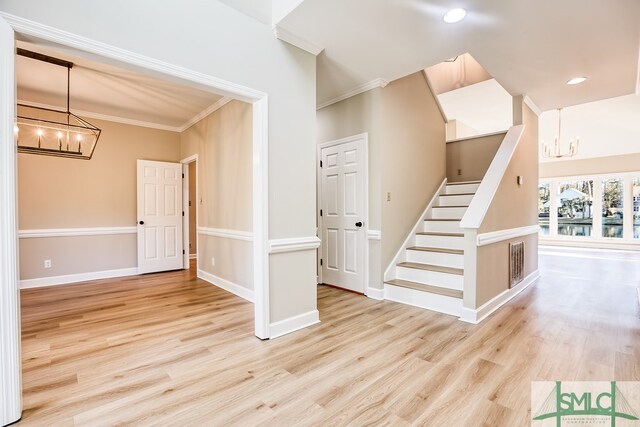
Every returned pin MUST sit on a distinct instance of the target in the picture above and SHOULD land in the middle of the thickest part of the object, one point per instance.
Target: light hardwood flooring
(171, 350)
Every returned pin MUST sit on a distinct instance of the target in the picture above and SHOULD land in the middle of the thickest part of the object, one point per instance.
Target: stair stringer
(390, 271)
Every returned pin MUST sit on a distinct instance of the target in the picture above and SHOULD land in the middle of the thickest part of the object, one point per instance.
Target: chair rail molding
(500, 235)
(75, 232)
(227, 234)
(294, 244)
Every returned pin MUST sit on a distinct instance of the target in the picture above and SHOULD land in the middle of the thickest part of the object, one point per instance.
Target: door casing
(365, 138)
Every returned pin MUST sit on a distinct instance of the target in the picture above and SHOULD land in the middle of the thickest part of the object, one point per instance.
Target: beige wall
(75, 255)
(406, 157)
(55, 192)
(471, 157)
(223, 143)
(513, 206)
(193, 207)
(517, 206)
(413, 151)
(593, 166)
(493, 266)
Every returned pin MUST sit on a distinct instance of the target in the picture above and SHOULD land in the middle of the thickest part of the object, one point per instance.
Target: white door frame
(187, 210)
(146, 65)
(365, 138)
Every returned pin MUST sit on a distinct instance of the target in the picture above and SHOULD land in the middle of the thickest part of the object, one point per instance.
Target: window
(543, 208)
(575, 208)
(635, 186)
(612, 211)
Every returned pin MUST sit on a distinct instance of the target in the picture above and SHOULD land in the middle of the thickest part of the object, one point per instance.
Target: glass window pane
(543, 208)
(636, 208)
(612, 199)
(574, 204)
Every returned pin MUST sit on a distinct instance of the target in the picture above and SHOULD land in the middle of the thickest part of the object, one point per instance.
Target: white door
(159, 216)
(343, 213)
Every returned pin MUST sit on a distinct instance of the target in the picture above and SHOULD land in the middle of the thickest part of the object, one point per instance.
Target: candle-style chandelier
(556, 152)
(51, 132)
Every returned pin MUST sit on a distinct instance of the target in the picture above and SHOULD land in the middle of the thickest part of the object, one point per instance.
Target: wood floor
(171, 350)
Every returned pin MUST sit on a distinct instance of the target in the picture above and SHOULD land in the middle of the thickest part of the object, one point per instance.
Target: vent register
(516, 263)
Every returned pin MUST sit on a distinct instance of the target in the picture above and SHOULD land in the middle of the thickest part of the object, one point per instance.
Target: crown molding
(107, 117)
(355, 91)
(529, 102)
(292, 39)
(204, 113)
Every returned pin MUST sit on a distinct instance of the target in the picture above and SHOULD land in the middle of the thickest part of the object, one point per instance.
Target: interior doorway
(343, 216)
(10, 366)
(191, 201)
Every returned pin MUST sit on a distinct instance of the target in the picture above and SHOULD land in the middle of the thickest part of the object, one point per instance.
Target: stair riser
(435, 302)
(436, 258)
(433, 278)
(462, 188)
(447, 213)
(462, 200)
(442, 226)
(443, 242)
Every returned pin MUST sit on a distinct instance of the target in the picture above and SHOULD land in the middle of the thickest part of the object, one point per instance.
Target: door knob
(141, 223)
(359, 224)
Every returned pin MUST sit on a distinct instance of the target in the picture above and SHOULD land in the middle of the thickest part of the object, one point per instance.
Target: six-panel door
(343, 230)
(159, 216)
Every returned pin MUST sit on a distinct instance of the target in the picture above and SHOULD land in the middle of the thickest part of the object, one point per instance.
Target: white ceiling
(484, 107)
(606, 128)
(531, 47)
(107, 91)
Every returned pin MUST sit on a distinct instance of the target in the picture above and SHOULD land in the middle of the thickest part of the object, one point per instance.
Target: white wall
(212, 38)
(481, 108)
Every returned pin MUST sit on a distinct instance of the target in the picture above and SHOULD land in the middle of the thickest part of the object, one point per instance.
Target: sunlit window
(575, 208)
(612, 208)
(543, 208)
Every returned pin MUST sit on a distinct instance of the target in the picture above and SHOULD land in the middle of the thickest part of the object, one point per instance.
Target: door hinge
(320, 212)
(182, 213)
(183, 252)
(320, 261)
(320, 163)
(182, 176)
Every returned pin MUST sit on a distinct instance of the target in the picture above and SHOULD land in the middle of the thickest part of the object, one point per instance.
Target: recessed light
(576, 80)
(454, 15)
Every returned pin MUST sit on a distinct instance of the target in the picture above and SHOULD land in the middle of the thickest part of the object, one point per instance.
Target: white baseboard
(294, 323)
(228, 286)
(76, 278)
(478, 315)
(375, 293)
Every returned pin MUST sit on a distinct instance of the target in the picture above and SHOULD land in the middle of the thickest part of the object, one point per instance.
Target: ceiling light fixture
(576, 80)
(50, 132)
(454, 15)
(547, 152)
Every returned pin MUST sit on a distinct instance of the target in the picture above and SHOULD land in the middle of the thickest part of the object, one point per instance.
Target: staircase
(431, 274)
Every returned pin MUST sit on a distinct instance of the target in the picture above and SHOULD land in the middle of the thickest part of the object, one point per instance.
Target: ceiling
(531, 47)
(606, 128)
(456, 73)
(106, 91)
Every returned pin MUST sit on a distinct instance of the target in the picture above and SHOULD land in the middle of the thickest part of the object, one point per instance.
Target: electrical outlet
(388, 196)
(213, 261)
(47, 263)
(459, 171)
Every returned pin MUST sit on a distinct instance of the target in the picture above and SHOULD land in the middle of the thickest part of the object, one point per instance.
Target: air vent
(516, 263)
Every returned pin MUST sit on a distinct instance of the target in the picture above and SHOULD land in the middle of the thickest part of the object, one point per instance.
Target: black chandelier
(51, 132)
